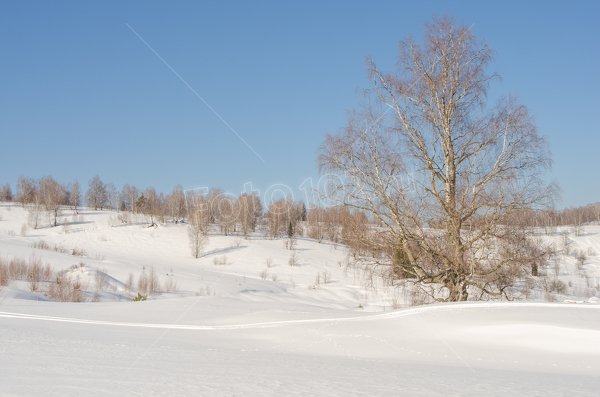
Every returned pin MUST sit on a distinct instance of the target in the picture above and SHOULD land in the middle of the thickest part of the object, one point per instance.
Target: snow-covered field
(228, 331)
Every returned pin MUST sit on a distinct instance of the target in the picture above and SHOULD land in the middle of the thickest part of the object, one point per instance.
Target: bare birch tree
(51, 196)
(249, 210)
(6, 193)
(199, 226)
(441, 173)
(26, 190)
(96, 194)
(74, 196)
(176, 206)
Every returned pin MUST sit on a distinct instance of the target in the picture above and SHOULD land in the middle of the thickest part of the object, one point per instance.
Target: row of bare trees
(243, 214)
(45, 198)
(6, 193)
(571, 216)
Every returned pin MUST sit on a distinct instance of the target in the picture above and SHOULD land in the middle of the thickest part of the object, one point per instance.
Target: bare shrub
(290, 243)
(394, 300)
(220, 260)
(294, 259)
(24, 230)
(549, 297)
(59, 290)
(528, 287)
(578, 230)
(129, 283)
(123, 218)
(63, 289)
(11, 233)
(269, 262)
(35, 269)
(153, 283)
(264, 274)
(418, 297)
(557, 286)
(78, 290)
(97, 256)
(100, 279)
(143, 283)
(205, 291)
(18, 269)
(326, 277)
(66, 227)
(556, 267)
(113, 221)
(35, 272)
(60, 249)
(41, 244)
(273, 277)
(170, 285)
(47, 272)
(581, 258)
(42, 279)
(236, 243)
(4, 273)
(564, 238)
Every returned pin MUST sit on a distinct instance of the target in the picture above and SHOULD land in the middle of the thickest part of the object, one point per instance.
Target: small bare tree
(6, 193)
(100, 279)
(74, 196)
(35, 211)
(51, 195)
(249, 210)
(294, 259)
(129, 283)
(96, 195)
(26, 190)
(175, 205)
(198, 231)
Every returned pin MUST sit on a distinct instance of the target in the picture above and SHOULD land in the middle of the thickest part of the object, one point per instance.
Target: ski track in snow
(402, 313)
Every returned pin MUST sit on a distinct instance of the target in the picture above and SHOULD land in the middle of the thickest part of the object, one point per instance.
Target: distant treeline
(240, 215)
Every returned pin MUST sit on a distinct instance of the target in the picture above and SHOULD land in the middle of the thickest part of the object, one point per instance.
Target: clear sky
(81, 94)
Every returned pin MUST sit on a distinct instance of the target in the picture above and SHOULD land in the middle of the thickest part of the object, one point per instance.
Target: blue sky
(81, 94)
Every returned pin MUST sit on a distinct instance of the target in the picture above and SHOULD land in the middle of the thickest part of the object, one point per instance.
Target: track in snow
(402, 313)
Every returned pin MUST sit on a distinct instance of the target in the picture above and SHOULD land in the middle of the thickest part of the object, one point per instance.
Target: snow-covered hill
(309, 329)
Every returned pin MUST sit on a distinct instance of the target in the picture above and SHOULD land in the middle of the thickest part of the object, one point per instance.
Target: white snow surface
(255, 337)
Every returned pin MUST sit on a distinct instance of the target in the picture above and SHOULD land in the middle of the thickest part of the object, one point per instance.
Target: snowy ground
(226, 331)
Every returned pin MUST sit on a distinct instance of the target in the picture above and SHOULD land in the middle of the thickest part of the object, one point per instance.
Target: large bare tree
(443, 173)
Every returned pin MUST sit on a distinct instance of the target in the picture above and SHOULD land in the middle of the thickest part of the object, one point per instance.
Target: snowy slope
(250, 336)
